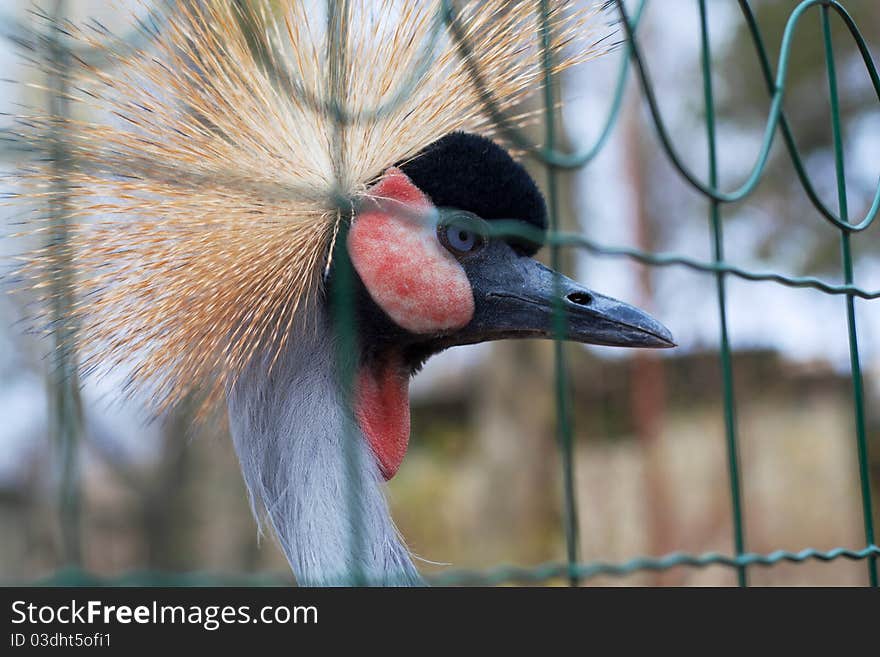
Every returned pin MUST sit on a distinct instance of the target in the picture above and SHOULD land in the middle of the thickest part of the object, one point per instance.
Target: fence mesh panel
(66, 413)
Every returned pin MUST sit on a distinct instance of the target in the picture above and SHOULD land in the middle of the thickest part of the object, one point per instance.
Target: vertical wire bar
(343, 281)
(65, 414)
(718, 255)
(846, 253)
(563, 411)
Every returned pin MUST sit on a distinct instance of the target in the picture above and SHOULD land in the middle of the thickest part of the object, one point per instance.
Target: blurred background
(482, 483)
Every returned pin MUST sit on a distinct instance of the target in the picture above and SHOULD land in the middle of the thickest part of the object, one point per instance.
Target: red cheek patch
(395, 250)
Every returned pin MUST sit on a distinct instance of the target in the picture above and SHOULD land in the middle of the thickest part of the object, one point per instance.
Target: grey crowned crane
(205, 186)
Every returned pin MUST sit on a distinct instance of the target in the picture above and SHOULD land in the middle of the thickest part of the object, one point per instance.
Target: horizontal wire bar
(545, 572)
(511, 228)
(671, 259)
(491, 577)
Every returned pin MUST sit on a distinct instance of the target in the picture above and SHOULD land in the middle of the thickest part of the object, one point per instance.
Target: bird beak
(516, 296)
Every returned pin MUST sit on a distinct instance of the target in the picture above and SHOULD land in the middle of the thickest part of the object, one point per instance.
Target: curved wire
(554, 158)
(335, 106)
(787, 134)
(772, 121)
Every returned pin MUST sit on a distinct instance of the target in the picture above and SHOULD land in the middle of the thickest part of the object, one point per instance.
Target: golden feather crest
(204, 167)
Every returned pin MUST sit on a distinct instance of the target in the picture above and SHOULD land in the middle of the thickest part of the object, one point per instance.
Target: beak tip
(662, 342)
(652, 334)
(666, 339)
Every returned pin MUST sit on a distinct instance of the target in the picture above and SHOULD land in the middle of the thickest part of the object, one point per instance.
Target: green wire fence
(555, 162)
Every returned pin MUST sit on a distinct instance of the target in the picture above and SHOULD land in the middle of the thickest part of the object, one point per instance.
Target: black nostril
(580, 298)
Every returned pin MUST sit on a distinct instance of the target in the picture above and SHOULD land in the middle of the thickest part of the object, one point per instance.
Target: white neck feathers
(291, 429)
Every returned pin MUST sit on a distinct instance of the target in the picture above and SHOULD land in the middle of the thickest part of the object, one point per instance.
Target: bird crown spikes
(203, 179)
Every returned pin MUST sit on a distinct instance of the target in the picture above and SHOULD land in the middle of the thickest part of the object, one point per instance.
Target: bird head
(433, 272)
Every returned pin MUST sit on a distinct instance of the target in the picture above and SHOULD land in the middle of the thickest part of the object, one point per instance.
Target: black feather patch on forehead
(472, 173)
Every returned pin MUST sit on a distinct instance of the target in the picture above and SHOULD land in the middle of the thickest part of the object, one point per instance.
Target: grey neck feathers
(291, 429)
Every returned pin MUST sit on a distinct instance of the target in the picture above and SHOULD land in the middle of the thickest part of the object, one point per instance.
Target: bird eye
(461, 239)
(462, 233)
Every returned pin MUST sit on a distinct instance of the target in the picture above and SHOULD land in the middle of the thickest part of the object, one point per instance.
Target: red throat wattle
(382, 410)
